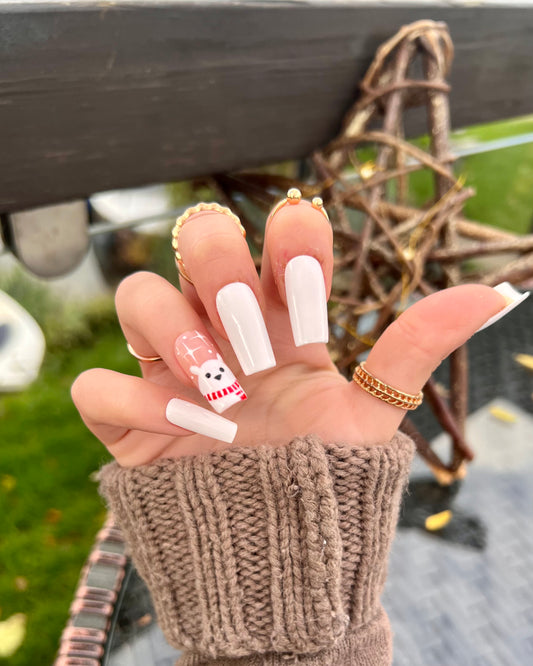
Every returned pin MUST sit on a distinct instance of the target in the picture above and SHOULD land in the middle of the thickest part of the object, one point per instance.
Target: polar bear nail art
(199, 358)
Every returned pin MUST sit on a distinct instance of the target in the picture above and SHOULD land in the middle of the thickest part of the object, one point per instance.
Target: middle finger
(219, 263)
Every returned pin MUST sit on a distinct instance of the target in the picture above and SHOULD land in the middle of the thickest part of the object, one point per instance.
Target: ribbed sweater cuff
(266, 552)
(370, 645)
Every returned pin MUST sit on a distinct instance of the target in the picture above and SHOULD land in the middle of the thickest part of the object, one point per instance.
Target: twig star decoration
(388, 250)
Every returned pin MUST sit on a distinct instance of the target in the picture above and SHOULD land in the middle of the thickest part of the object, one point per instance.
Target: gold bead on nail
(294, 195)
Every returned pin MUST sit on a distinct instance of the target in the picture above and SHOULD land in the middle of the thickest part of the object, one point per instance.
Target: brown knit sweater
(268, 555)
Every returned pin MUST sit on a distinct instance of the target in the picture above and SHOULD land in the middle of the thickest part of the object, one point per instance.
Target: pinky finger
(113, 406)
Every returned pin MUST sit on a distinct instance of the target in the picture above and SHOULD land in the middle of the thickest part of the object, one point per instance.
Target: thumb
(412, 347)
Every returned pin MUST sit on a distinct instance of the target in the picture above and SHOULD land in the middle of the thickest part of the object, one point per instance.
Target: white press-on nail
(202, 421)
(306, 300)
(243, 322)
(513, 298)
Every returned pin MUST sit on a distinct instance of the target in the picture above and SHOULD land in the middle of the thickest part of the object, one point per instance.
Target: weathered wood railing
(101, 95)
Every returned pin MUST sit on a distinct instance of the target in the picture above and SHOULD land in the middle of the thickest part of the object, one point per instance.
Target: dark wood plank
(102, 95)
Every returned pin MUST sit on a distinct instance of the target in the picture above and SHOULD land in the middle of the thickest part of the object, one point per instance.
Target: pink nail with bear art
(202, 362)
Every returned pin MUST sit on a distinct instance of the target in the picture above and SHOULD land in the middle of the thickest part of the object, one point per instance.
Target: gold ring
(294, 196)
(185, 216)
(383, 391)
(140, 357)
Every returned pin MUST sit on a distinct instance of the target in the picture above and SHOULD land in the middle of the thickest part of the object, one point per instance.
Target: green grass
(504, 196)
(502, 178)
(49, 505)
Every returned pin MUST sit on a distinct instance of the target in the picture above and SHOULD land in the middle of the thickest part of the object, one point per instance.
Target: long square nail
(306, 299)
(244, 324)
(513, 298)
(199, 420)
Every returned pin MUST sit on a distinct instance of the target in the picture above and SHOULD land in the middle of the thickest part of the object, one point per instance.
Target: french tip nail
(201, 421)
(513, 297)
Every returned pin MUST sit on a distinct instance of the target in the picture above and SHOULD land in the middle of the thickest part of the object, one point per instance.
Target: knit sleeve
(267, 555)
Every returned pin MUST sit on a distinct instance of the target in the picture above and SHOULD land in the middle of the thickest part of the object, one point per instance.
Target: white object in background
(123, 206)
(22, 346)
(50, 241)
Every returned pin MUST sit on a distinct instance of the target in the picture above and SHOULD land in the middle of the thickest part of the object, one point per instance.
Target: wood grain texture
(95, 96)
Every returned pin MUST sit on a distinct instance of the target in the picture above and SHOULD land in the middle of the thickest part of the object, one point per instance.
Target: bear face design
(213, 375)
(218, 384)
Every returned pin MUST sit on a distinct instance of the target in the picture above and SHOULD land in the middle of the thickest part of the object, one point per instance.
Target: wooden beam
(100, 95)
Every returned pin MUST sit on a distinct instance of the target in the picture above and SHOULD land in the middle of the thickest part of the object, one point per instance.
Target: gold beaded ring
(294, 196)
(383, 391)
(217, 208)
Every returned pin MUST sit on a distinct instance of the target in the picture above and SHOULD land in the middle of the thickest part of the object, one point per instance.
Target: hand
(304, 393)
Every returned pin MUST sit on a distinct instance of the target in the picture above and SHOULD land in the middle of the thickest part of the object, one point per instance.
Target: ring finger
(157, 320)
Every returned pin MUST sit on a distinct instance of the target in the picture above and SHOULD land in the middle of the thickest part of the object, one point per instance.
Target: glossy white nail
(243, 322)
(513, 298)
(202, 421)
(306, 300)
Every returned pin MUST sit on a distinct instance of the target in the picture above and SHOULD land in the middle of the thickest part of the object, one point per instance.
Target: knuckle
(211, 257)
(416, 338)
(84, 385)
(134, 286)
(133, 282)
(77, 390)
(208, 248)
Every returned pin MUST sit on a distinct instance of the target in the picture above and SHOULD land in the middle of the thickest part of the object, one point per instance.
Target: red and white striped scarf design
(234, 388)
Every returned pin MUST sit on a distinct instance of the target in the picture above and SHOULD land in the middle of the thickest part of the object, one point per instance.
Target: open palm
(303, 393)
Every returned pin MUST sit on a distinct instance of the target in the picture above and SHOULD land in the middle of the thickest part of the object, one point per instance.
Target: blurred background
(112, 97)
(49, 503)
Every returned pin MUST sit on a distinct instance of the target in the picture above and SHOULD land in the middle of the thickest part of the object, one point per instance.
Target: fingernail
(200, 360)
(306, 300)
(197, 419)
(513, 298)
(243, 322)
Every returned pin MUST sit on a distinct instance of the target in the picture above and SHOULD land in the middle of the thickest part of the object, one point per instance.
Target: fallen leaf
(438, 520)
(445, 477)
(21, 583)
(145, 620)
(7, 482)
(53, 516)
(442, 390)
(524, 359)
(503, 415)
(12, 633)
(50, 540)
